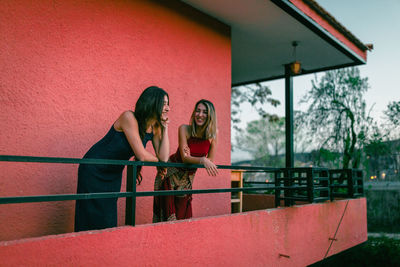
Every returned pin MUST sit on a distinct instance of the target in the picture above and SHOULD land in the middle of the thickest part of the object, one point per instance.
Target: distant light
(267, 181)
(395, 171)
(383, 175)
(295, 67)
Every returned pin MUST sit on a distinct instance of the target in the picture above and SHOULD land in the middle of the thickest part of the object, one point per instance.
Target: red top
(198, 148)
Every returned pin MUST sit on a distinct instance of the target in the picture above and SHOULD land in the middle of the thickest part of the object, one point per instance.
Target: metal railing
(312, 184)
(290, 184)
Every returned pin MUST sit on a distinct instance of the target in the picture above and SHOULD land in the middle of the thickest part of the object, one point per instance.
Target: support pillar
(289, 117)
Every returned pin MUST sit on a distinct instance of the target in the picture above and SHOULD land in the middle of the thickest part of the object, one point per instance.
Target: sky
(371, 21)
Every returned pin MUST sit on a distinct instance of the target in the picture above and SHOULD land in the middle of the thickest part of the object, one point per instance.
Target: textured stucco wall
(69, 68)
(296, 236)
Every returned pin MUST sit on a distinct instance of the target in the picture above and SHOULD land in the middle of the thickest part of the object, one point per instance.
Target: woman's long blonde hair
(209, 129)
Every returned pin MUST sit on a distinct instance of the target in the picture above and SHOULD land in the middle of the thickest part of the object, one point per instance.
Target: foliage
(336, 117)
(257, 95)
(265, 140)
(392, 114)
(326, 158)
(374, 148)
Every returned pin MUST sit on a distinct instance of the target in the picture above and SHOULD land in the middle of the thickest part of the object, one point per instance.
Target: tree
(374, 149)
(336, 117)
(257, 95)
(264, 139)
(392, 114)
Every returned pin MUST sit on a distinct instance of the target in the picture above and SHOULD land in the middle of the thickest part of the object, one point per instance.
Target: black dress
(99, 213)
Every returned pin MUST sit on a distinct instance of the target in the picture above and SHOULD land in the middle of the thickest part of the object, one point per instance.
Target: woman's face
(165, 110)
(201, 114)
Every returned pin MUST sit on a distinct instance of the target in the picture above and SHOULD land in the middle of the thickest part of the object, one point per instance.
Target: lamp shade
(295, 67)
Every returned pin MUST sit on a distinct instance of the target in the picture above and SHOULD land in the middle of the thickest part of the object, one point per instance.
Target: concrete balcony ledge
(294, 236)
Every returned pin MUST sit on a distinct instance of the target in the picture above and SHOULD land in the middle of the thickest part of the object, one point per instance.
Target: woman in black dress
(126, 138)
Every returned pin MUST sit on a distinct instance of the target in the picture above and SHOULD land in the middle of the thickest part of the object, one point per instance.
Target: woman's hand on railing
(210, 166)
(186, 151)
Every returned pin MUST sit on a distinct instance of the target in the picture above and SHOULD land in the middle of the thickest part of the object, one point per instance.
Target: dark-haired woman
(126, 138)
(197, 145)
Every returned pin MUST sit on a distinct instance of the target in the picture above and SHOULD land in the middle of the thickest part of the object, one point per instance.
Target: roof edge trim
(338, 26)
(292, 10)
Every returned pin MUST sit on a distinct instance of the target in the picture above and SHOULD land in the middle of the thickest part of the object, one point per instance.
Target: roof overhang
(262, 32)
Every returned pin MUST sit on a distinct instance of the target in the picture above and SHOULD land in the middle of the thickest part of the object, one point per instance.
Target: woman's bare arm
(128, 124)
(161, 142)
(187, 158)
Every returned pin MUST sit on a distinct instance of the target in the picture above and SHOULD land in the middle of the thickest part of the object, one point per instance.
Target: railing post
(326, 184)
(359, 182)
(331, 184)
(288, 183)
(350, 183)
(277, 191)
(310, 185)
(130, 206)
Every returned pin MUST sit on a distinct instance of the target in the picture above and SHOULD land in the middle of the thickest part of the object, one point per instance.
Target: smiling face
(203, 122)
(165, 110)
(201, 114)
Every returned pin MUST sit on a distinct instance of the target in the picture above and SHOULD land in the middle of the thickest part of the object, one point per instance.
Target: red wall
(69, 68)
(257, 238)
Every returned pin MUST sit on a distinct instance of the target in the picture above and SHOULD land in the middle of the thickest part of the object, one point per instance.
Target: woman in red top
(197, 145)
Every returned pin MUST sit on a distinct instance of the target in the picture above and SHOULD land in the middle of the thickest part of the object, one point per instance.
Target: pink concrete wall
(69, 68)
(301, 5)
(257, 238)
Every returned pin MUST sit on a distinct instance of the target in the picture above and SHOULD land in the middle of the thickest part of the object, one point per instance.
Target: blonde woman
(197, 145)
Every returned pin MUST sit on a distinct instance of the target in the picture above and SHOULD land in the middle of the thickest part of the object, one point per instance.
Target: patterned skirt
(171, 208)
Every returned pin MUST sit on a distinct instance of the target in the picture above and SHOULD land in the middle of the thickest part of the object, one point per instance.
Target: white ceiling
(262, 34)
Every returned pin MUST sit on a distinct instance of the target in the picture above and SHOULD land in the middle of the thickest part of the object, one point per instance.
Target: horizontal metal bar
(272, 170)
(62, 197)
(245, 182)
(339, 186)
(291, 179)
(294, 198)
(320, 188)
(334, 194)
(198, 191)
(318, 199)
(31, 159)
(293, 187)
(10, 158)
(303, 169)
(321, 178)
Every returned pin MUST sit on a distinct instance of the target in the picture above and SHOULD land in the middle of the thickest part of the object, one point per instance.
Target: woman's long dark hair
(149, 106)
